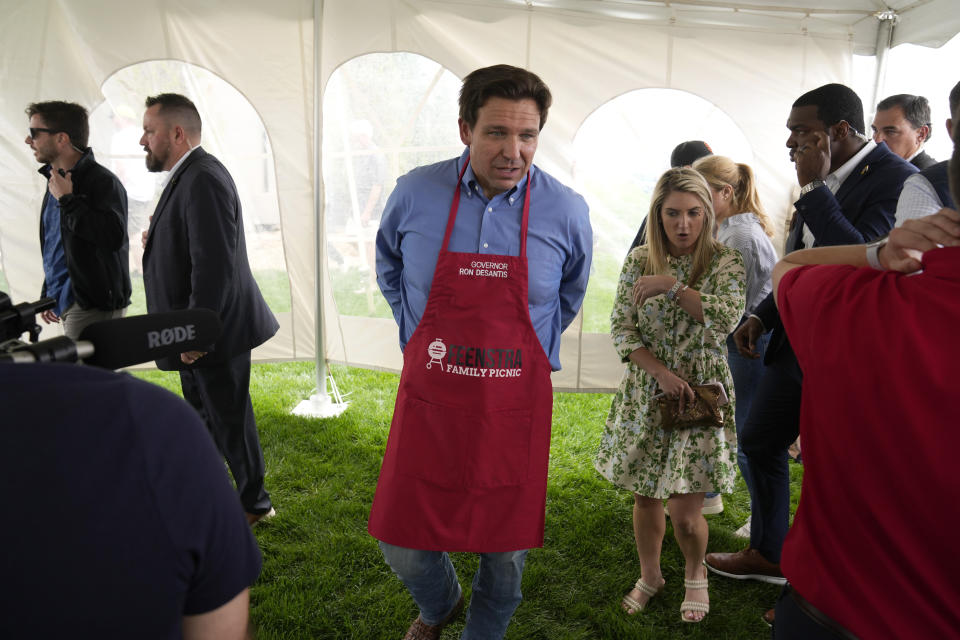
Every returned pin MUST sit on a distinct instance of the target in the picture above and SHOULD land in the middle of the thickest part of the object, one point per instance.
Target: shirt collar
(47, 170)
(837, 178)
(919, 151)
(173, 170)
(473, 187)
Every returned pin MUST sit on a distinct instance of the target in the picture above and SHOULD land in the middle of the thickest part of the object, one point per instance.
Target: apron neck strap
(455, 206)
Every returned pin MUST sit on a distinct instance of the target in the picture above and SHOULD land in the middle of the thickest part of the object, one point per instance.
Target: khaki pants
(76, 319)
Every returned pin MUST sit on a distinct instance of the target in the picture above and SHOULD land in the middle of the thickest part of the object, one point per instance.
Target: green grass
(357, 294)
(324, 577)
(601, 292)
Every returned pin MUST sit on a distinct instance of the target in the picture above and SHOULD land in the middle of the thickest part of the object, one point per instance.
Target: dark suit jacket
(196, 257)
(863, 209)
(937, 176)
(922, 160)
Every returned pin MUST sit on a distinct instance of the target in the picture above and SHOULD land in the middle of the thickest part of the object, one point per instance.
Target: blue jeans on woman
(746, 376)
(430, 578)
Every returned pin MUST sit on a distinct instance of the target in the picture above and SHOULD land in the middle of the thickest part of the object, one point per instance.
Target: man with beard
(83, 221)
(195, 256)
(837, 549)
(849, 190)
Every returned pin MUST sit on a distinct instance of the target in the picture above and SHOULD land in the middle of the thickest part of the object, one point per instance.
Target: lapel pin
(864, 171)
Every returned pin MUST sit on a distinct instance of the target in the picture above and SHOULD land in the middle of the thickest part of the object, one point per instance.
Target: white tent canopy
(749, 60)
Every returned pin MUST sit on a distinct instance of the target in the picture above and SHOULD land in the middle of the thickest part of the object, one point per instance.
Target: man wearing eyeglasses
(83, 221)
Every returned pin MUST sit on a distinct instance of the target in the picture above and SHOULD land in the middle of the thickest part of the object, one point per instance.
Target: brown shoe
(254, 518)
(748, 564)
(768, 617)
(419, 630)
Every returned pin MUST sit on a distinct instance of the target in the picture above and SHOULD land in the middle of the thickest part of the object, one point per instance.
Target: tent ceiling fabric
(587, 51)
(926, 22)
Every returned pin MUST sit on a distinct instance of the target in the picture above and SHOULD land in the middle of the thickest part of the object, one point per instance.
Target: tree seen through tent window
(232, 131)
(384, 114)
(621, 150)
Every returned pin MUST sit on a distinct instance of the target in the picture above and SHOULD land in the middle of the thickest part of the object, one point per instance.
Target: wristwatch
(873, 253)
(810, 186)
(674, 290)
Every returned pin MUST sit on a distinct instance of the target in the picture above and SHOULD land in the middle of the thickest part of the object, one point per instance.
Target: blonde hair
(683, 180)
(722, 172)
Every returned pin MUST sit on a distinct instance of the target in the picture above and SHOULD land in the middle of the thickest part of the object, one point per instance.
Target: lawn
(323, 576)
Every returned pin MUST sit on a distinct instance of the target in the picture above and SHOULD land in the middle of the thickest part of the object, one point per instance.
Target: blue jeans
(746, 376)
(430, 578)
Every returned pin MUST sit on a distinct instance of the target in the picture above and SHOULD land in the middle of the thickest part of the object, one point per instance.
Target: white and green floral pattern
(635, 453)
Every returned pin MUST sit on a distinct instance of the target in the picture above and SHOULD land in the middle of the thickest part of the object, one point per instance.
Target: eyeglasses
(35, 131)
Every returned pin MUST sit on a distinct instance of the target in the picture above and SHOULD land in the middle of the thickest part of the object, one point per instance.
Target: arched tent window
(621, 151)
(232, 131)
(384, 114)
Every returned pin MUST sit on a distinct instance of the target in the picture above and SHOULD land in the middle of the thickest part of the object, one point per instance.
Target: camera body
(15, 320)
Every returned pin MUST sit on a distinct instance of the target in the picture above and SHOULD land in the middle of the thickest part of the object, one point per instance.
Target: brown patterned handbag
(706, 410)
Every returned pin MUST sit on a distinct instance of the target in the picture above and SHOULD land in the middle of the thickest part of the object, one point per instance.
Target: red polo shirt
(874, 544)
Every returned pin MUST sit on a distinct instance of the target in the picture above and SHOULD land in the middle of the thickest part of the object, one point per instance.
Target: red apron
(466, 462)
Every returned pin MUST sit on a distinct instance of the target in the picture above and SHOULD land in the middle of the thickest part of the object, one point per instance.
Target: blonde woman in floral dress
(678, 298)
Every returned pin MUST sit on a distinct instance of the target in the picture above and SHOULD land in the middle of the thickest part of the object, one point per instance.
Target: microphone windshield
(123, 342)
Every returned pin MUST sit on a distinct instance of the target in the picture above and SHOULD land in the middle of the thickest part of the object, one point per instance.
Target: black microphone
(123, 342)
(59, 349)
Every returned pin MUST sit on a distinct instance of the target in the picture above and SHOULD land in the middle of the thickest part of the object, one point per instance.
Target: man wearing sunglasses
(83, 221)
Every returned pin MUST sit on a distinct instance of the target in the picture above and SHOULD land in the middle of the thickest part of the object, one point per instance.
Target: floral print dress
(635, 452)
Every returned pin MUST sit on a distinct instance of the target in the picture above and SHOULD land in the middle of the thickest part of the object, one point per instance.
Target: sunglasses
(35, 131)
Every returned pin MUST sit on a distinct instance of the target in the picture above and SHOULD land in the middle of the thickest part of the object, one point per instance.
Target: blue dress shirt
(559, 243)
(54, 259)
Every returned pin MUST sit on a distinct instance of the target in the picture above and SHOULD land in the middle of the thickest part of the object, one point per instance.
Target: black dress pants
(221, 395)
(794, 622)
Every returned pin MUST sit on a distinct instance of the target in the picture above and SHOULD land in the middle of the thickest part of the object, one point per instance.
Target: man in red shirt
(881, 361)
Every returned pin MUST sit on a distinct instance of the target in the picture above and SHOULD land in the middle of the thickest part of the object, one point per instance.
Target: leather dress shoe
(748, 564)
(254, 518)
(419, 630)
(769, 617)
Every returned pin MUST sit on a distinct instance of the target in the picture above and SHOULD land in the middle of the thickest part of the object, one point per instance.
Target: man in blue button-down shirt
(559, 242)
(502, 110)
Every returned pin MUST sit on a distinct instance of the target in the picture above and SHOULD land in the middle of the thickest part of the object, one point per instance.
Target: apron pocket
(463, 448)
(501, 455)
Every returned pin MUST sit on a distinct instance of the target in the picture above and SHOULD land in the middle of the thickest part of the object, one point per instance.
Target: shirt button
(512, 199)
(489, 209)
(485, 245)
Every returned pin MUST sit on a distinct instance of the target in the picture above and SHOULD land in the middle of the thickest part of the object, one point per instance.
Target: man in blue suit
(849, 191)
(195, 256)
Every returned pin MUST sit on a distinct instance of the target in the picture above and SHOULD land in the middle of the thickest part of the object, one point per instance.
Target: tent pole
(888, 20)
(318, 216)
(320, 404)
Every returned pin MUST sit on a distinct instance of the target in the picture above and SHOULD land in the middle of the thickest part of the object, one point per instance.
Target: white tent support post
(888, 20)
(319, 404)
